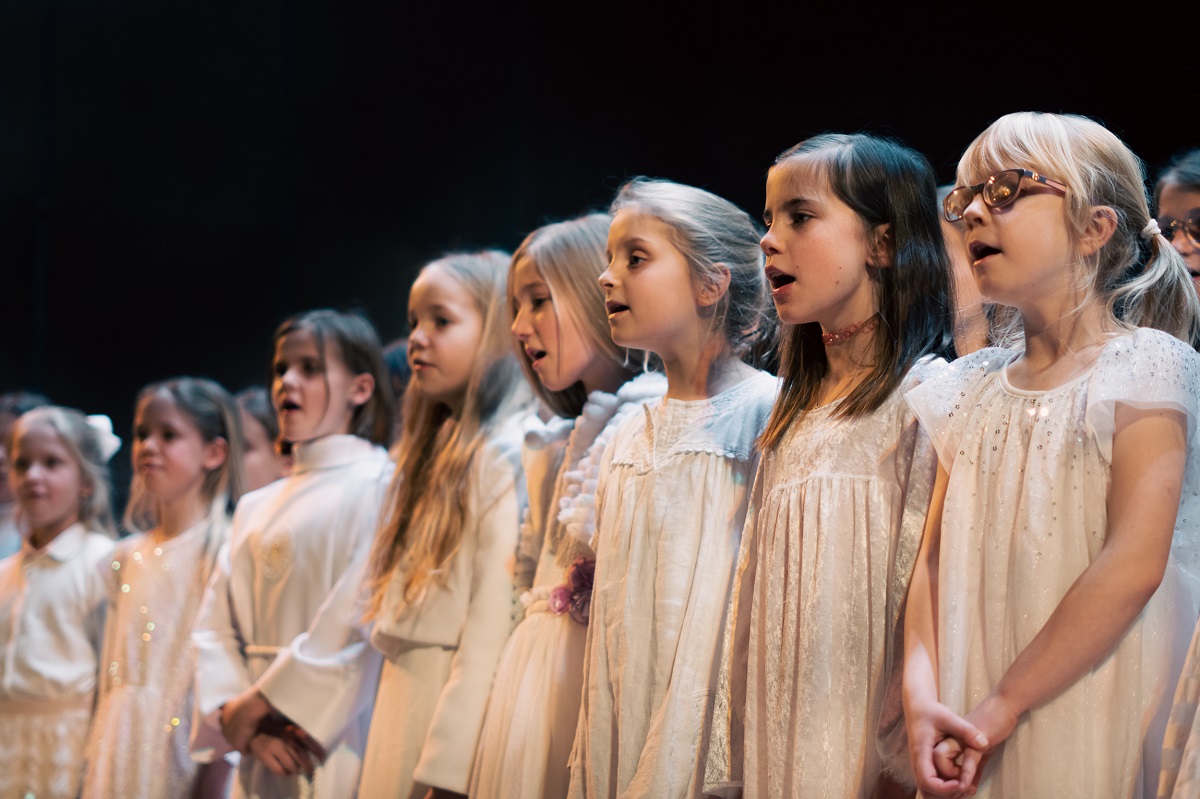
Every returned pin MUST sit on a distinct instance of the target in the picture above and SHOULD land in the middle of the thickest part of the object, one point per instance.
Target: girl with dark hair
(285, 674)
(1177, 206)
(808, 695)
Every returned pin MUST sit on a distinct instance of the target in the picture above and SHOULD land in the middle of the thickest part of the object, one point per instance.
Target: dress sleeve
(1149, 370)
(452, 738)
(323, 678)
(940, 399)
(220, 668)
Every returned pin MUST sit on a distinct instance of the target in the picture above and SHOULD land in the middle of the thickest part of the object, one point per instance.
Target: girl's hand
(282, 757)
(929, 726)
(996, 719)
(947, 758)
(240, 717)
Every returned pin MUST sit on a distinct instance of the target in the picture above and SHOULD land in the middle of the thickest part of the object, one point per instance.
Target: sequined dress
(671, 503)
(1025, 514)
(534, 706)
(811, 639)
(139, 741)
(52, 603)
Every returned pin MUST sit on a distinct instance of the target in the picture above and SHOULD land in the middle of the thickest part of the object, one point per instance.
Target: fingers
(946, 756)
(970, 766)
(275, 754)
(949, 723)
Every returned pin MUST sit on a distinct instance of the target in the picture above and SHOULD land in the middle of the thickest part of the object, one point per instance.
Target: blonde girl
(560, 328)
(52, 598)
(861, 279)
(284, 674)
(685, 282)
(1058, 577)
(440, 577)
(187, 478)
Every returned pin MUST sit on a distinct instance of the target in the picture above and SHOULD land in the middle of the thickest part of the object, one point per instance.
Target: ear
(215, 453)
(1099, 229)
(710, 291)
(361, 389)
(882, 246)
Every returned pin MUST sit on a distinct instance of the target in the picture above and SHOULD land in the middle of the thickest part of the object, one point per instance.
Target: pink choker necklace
(847, 333)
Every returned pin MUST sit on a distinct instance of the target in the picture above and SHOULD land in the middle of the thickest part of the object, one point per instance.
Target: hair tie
(109, 441)
(1151, 229)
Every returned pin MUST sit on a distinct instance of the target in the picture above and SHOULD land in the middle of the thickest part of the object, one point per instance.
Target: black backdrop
(179, 176)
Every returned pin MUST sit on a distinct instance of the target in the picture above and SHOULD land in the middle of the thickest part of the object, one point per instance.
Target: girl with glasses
(1177, 199)
(1054, 586)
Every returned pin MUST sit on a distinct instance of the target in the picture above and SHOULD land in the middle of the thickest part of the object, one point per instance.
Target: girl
(1177, 201)
(284, 672)
(684, 282)
(264, 461)
(1054, 589)
(861, 279)
(440, 576)
(187, 461)
(52, 599)
(560, 328)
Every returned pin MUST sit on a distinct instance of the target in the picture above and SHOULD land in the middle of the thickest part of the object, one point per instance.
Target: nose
(521, 327)
(973, 213)
(607, 280)
(418, 338)
(768, 243)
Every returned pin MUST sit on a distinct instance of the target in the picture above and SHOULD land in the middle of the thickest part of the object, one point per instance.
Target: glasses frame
(969, 193)
(1188, 226)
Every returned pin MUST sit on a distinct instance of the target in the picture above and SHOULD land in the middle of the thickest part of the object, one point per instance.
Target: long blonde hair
(1142, 281)
(569, 256)
(426, 506)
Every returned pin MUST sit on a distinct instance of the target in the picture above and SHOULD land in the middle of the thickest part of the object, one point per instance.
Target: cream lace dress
(812, 634)
(534, 706)
(671, 503)
(1025, 514)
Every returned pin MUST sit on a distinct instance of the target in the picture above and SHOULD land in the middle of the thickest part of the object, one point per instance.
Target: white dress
(1025, 514)
(670, 508)
(534, 706)
(139, 740)
(282, 611)
(441, 650)
(812, 634)
(52, 604)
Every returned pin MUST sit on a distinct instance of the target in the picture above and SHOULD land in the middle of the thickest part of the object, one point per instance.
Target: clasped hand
(253, 727)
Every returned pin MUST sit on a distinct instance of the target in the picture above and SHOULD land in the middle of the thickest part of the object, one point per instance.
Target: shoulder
(1149, 350)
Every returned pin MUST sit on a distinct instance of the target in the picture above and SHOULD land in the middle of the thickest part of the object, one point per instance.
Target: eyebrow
(793, 204)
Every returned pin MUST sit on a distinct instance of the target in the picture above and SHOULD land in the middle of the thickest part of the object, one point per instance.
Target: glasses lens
(1167, 229)
(956, 202)
(1191, 226)
(1002, 188)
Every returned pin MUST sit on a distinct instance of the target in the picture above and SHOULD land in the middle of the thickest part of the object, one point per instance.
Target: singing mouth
(535, 355)
(778, 279)
(615, 307)
(979, 251)
(289, 405)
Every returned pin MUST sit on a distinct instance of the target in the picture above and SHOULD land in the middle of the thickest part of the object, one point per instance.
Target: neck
(608, 376)
(1048, 340)
(39, 537)
(177, 515)
(704, 372)
(971, 331)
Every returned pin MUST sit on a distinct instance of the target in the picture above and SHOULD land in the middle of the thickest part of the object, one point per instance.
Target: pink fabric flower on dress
(559, 599)
(575, 595)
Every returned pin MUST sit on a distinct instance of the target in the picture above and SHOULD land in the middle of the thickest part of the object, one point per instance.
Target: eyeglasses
(997, 191)
(1189, 226)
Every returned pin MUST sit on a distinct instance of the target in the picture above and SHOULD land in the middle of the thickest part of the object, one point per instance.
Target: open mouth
(778, 279)
(615, 307)
(980, 251)
(289, 405)
(535, 355)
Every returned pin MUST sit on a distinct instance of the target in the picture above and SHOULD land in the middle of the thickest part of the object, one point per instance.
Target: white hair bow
(1151, 229)
(109, 441)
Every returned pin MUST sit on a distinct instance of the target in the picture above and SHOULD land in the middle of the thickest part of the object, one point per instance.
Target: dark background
(177, 177)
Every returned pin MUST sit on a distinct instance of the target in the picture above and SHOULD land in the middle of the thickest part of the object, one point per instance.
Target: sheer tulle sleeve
(939, 400)
(1149, 370)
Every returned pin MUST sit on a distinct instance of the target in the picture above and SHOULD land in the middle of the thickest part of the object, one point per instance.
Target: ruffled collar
(64, 546)
(328, 452)
(581, 462)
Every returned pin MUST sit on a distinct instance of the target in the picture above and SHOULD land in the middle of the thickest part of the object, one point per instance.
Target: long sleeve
(449, 749)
